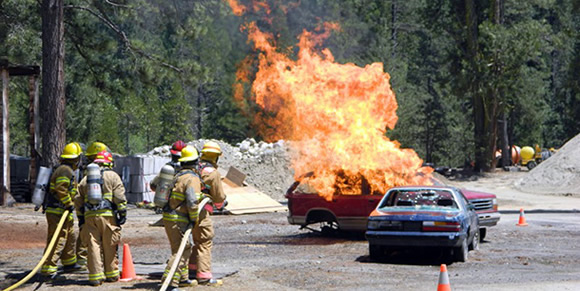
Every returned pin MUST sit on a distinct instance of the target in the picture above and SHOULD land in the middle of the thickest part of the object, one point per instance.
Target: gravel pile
(560, 174)
(267, 165)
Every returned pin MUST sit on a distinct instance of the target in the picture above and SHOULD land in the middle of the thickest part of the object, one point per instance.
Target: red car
(350, 212)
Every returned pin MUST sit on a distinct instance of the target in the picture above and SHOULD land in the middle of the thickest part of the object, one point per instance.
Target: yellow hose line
(177, 257)
(46, 253)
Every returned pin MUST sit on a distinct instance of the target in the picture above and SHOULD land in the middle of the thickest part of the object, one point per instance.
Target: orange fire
(335, 115)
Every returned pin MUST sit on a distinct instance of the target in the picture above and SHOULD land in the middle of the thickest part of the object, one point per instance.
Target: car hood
(471, 194)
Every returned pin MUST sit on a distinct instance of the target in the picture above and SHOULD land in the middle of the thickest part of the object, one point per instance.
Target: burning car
(348, 210)
(423, 216)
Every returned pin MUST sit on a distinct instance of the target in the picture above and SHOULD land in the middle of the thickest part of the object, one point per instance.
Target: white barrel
(164, 186)
(95, 195)
(41, 186)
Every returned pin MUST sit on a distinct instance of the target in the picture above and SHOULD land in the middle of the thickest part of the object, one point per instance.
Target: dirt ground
(264, 252)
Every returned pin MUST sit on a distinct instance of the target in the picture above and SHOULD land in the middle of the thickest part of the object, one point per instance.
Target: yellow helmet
(71, 151)
(188, 154)
(96, 148)
(211, 147)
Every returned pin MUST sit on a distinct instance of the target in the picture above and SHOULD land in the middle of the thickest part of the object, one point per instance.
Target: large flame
(335, 114)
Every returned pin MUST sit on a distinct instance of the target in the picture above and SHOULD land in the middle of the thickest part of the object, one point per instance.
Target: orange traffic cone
(443, 279)
(522, 221)
(128, 273)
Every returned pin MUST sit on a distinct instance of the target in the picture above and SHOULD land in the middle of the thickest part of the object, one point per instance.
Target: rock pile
(559, 174)
(267, 165)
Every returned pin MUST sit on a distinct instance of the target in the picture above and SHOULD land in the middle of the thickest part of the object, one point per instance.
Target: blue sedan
(423, 216)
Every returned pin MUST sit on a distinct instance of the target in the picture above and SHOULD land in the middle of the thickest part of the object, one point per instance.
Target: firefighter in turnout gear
(63, 188)
(200, 259)
(180, 213)
(90, 155)
(102, 205)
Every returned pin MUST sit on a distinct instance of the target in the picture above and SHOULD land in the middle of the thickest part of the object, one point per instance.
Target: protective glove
(70, 208)
(208, 207)
(121, 217)
(81, 220)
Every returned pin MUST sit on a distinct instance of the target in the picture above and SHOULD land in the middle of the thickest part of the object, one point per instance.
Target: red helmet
(177, 147)
(104, 157)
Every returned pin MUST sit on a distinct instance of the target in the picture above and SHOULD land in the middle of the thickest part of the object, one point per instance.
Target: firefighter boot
(73, 268)
(210, 282)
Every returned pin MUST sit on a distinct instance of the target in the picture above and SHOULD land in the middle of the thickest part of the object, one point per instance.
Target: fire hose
(46, 253)
(184, 240)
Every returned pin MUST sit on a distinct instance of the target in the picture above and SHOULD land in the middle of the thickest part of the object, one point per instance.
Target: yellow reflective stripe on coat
(122, 206)
(175, 217)
(193, 216)
(58, 211)
(178, 196)
(108, 196)
(62, 180)
(66, 199)
(100, 212)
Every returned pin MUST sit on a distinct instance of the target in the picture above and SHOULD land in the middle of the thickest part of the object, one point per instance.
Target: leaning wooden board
(247, 199)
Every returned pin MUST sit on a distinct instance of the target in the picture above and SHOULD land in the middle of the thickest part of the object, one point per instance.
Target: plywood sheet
(248, 199)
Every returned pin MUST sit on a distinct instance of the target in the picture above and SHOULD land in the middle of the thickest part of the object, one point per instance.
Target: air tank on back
(95, 195)
(41, 186)
(165, 183)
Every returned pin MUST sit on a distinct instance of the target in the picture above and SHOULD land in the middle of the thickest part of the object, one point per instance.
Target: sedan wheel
(460, 253)
(376, 252)
(474, 245)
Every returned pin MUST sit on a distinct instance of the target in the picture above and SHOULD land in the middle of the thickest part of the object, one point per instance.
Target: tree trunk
(53, 131)
(480, 134)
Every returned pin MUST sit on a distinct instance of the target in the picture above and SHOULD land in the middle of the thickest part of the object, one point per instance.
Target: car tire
(376, 252)
(460, 253)
(474, 245)
(482, 233)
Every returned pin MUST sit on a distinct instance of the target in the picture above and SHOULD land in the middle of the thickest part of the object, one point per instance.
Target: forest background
(469, 75)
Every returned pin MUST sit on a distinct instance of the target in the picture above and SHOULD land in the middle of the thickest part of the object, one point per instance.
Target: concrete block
(141, 183)
(159, 163)
(134, 197)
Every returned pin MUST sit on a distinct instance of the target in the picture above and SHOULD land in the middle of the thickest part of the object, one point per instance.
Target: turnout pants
(102, 237)
(64, 249)
(201, 251)
(175, 231)
(81, 250)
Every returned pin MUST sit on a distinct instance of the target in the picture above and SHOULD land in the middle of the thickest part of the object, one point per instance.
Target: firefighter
(175, 156)
(90, 155)
(180, 213)
(102, 209)
(63, 188)
(200, 259)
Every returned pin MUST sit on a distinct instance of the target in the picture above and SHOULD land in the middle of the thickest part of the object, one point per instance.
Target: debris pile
(267, 165)
(558, 175)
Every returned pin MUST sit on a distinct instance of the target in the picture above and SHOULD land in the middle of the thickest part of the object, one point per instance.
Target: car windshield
(420, 198)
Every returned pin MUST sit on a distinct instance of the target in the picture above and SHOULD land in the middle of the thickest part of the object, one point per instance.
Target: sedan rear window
(420, 198)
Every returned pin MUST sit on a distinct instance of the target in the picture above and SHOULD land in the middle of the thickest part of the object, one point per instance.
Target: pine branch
(121, 34)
